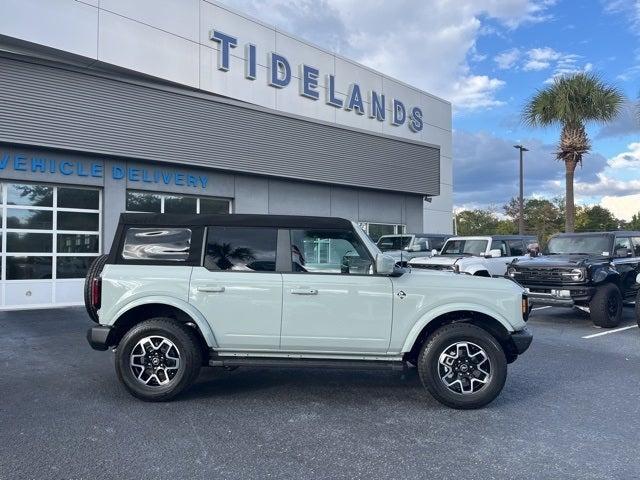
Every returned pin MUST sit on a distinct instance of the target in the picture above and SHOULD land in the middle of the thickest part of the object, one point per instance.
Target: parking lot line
(541, 308)
(610, 331)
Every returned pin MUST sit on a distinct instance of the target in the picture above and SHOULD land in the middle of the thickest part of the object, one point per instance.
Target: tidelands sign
(279, 75)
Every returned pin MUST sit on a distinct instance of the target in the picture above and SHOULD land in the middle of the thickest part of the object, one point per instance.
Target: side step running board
(303, 362)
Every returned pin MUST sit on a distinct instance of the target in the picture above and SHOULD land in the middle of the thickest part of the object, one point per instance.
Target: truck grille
(541, 275)
(431, 266)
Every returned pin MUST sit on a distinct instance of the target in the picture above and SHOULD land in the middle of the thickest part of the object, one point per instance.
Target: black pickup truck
(595, 272)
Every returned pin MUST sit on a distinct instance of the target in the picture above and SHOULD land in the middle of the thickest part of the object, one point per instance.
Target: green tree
(476, 222)
(572, 101)
(634, 224)
(595, 219)
(542, 217)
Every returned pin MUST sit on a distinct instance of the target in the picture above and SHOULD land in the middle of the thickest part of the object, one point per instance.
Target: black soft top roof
(231, 220)
(620, 233)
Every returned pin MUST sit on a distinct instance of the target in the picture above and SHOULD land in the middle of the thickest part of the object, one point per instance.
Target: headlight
(577, 274)
(511, 271)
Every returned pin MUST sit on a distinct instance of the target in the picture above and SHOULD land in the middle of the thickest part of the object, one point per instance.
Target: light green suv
(178, 292)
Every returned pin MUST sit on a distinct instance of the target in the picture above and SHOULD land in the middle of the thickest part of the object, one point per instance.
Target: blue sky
(488, 57)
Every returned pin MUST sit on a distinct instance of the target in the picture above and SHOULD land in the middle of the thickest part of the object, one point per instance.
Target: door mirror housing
(495, 253)
(385, 264)
(434, 252)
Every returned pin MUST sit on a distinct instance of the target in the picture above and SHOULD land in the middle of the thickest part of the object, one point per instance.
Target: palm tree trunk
(570, 207)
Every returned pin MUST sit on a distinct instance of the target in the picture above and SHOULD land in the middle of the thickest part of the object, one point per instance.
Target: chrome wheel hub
(154, 361)
(464, 368)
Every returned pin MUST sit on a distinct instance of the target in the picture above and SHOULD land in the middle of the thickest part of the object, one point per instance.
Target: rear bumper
(521, 341)
(100, 337)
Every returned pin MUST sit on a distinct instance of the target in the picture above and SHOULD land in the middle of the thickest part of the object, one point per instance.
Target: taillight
(96, 290)
(525, 307)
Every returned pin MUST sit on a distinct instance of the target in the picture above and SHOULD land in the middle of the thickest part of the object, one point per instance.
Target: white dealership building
(189, 106)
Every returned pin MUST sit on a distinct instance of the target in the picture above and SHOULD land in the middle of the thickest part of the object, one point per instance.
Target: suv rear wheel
(462, 366)
(158, 359)
(606, 306)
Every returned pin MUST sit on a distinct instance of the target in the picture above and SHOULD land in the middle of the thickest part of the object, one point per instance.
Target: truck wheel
(462, 366)
(95, 269)
(606, 306)
(158, 359)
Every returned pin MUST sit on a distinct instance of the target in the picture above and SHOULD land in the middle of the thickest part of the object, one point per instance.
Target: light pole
(521, 197)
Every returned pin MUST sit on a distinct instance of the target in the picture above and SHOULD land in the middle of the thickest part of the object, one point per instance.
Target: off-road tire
(95, 269)
(190, 352)
(606, 306)
(437, 343)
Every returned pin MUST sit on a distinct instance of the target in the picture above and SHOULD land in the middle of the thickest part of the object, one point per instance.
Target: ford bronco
(178, 292)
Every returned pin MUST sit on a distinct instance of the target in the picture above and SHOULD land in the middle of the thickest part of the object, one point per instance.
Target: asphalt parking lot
(570, 409)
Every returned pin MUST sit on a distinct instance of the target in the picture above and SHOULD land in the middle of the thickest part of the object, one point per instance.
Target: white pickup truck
(484, 256)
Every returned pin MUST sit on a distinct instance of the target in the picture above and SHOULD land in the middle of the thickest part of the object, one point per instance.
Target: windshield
(434, 242)
(464, 247)
(587, 245)
(393, 243)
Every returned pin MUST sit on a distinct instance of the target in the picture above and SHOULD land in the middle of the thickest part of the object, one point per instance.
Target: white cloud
(541, 58)
(629, 8)
(507, 59)
(629, 159)
(430, 44)
(623, 207)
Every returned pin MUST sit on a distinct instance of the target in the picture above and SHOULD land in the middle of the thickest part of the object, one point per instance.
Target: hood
(460, 280)
(437, 260)
(550, 261)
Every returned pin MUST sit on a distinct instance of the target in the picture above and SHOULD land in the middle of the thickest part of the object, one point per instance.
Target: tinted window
(636, 246)
(28, 268)
(465, 247)
(78, 198)
(77, 243)
(73, 267)
(78, 221)
(175, 204)
(516, 247)
(143, 202)
(329, 251)
(242, 249)
(29, 242)
(386, 244)
(580, 244)
(36, 195)
(168, 244)
(33, 219)
(622, 247)
(211, 205)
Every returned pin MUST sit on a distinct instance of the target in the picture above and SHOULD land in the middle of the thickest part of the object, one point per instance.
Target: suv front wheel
(462, 366)
(606, 306)
(158, 359)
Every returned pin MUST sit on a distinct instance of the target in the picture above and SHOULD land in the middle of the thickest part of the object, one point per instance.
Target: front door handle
(211, 289)
(304, 291)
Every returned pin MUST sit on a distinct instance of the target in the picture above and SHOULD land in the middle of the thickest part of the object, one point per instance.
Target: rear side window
(636, 246)
(241, 249)
(516, 247)
(157, 244)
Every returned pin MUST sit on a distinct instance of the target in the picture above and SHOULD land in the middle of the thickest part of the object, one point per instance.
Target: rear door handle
(211, 289)
(304, 291)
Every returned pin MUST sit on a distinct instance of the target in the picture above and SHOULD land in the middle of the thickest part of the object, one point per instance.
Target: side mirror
(434, 252)
(495, 253)
(385, 264)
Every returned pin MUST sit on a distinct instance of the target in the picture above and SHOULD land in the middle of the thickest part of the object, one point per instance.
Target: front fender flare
(187, 308)
(450, 308)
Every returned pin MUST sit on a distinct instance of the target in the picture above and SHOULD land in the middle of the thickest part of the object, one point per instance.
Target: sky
(488, 57)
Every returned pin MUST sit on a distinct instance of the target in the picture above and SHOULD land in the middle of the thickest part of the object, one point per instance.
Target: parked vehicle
(404, 247)
(485, 256)
(595, 272)
(178, 292)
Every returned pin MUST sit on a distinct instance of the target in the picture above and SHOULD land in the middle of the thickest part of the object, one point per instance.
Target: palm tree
(572, 101)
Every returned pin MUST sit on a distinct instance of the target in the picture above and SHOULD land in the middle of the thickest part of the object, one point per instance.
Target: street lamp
(521, 198)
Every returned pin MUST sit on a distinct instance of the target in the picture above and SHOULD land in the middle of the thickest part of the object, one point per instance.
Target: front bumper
(521, 341)
(100, 337)
(559, 296)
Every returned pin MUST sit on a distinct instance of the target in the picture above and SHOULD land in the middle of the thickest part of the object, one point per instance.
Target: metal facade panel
(63, 108)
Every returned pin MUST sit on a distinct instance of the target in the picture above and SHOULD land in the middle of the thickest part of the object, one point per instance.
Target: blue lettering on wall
(415, 119)
(39, 165)
(250, 62)
(226, 42)
(377, 106)
(309, 82)
(279, 71)
(331, 92)
(354, 99)
(399, 113)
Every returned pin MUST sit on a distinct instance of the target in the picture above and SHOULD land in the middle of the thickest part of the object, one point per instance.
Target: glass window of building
(151, 202)
(376, 230)
(50, 232)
